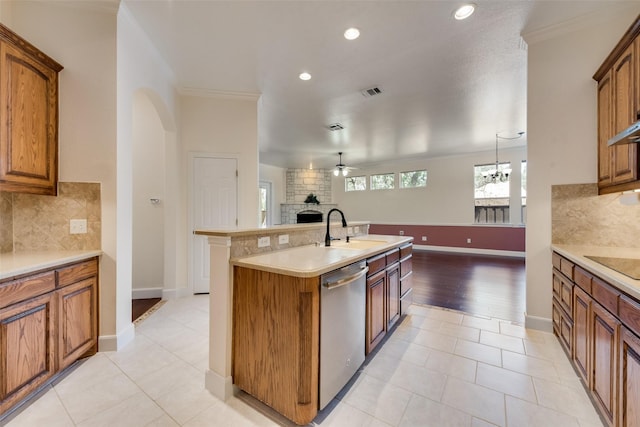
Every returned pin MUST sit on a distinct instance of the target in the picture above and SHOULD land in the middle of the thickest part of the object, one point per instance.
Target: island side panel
(276, 335)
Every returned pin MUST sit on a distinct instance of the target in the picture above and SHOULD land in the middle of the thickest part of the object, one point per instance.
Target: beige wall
(447, 198)
(562, 132)
(83, 39)
(225, 126)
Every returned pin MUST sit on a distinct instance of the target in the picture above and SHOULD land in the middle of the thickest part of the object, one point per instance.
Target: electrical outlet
(350, 231)
(283, 239)
(263, 242)
(402, 232)
(424, 238)
(356, 230)
(469, 240)
(78, 226)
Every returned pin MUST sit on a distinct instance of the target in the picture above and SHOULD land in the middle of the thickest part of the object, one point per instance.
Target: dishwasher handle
(346, 280)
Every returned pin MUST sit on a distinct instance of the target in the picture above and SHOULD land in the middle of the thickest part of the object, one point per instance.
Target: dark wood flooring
(484, 285)
(140, 306)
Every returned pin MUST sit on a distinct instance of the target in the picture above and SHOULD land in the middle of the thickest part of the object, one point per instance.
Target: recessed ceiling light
(464, 11)
(351, 33)
(305, 76)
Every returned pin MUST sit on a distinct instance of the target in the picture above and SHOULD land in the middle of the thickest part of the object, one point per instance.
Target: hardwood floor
(483, 285)
(140, 306)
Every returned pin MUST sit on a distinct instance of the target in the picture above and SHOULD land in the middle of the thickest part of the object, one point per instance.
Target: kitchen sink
(357, 244)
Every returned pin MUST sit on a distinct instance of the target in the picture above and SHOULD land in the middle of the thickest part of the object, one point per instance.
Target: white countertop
(577, 254)
(18, 263)
(312, 261)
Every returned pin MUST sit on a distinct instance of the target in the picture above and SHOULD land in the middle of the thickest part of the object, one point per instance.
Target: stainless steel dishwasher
(343, 299)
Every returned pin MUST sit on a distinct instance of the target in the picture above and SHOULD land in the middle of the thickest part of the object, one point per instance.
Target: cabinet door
(605, 331)
(624, 114)
(27, 348)
(28, 123)
(605, 130)
(78, 327)
(629, 379)
(581, 333)
(393, 294)
(376, 329)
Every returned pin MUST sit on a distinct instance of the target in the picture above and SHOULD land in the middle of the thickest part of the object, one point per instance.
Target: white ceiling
(448, 86)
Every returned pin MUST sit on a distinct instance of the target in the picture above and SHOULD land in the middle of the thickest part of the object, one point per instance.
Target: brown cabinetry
(28, 117)
(618, 107)
(604, 351)
(562, 302)
(606, 347)
(629, 389)
(47, 321)
(388, 288)
(276, 340)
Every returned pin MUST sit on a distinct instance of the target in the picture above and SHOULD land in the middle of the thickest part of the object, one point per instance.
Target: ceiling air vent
(335, 126)
(368, 93)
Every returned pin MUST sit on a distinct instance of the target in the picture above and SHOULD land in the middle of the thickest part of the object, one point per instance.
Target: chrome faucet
(327, 237)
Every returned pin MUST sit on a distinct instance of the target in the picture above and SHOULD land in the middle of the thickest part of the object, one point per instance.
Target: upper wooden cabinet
(618, 107)
(28, 117)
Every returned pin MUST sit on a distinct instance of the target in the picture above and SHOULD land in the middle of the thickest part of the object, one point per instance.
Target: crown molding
(588, 20)
(220, 94)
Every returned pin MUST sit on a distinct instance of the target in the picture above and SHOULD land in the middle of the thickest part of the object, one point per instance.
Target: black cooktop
(630, 267)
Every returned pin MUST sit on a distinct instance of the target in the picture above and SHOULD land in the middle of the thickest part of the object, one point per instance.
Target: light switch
(263, 242)
(283, 239)
(78, 226)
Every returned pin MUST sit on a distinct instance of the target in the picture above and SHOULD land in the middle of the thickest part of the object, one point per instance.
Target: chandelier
(498, 174)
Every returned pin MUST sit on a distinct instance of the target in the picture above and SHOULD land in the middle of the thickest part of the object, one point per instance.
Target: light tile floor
(439, 368)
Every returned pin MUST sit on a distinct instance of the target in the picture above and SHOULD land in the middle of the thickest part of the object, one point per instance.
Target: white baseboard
(513, 254)
(175, 293)
(144, 293)
(221, 387)
(117, 342)
(539, 323)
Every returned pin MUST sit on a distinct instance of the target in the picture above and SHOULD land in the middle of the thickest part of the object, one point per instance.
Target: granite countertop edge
(576, 253)
(14, 264)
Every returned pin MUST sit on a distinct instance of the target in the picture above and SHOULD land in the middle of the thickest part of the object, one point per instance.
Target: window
(355, 183)
(413, 179)
(383, 182)
(492, 193)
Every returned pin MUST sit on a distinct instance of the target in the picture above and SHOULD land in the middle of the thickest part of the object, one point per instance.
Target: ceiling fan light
(336, 172)
(345, 172)
(464, 11)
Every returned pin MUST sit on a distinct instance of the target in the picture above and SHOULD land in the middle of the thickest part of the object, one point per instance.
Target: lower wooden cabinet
(376, 328)
(393, 294)
(581, 332)
(27, 348)
(51, 322)
(604, 358)
(629, 390)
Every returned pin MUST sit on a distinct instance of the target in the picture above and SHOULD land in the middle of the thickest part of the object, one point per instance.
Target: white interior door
(214, 205)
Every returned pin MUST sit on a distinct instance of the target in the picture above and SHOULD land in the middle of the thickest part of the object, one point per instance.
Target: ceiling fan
(341, 168)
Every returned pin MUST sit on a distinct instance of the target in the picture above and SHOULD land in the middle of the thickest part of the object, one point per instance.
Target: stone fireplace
(302, 182)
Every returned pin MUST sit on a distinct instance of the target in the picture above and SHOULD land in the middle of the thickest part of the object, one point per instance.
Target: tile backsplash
(37, 223)
(580, 217)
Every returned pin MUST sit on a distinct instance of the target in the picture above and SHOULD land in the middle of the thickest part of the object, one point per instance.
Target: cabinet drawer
(393, 256)
(555, 259)
(406, 250)
(406, 266)
(406, 283)
(566, 267)
(376, 263)
(582, 279)
(605, 295)
(18, 290)
(630, 313)
(76, 272)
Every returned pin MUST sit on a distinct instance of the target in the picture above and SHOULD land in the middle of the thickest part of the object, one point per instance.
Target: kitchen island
(291, 319)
